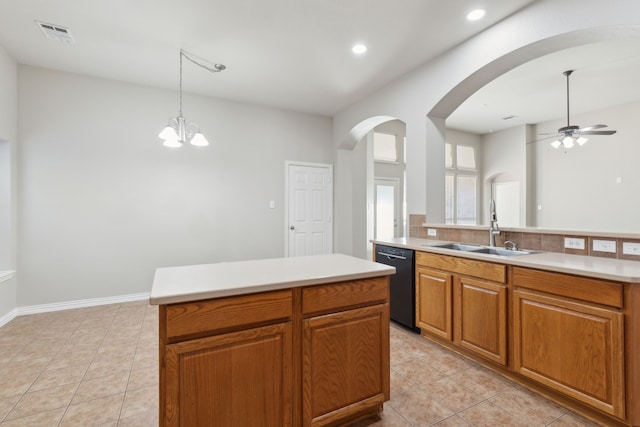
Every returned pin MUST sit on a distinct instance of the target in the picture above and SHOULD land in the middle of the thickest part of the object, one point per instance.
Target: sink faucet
(493, 220)
(514, 245)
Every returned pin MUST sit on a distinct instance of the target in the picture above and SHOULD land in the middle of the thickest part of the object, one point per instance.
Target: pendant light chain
(178, 131)
(215, 69)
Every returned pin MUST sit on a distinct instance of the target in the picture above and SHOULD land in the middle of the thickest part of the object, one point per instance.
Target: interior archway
(358, 146)
(361, 130)
(495, 69)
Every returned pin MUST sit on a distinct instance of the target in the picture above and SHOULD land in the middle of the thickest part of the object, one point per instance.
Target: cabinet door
(236, 379)
(573, 347)
(481, 318)
(433, 300)
(345, 365)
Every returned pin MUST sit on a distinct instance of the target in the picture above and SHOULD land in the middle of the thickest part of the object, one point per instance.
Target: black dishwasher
(402, 284)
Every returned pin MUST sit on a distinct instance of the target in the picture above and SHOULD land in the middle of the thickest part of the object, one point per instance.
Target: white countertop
(597, 267)
(204, 281)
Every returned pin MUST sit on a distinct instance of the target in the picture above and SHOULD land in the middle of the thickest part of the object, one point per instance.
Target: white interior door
(387, 208)
(309, 219)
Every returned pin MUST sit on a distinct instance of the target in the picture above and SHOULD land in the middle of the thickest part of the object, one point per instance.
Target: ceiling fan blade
(594, 127)
(598, 132)
(555, 135)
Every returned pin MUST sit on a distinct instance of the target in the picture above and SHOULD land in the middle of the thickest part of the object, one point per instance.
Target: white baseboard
(67, 305)
(8, 317)
(6, 275)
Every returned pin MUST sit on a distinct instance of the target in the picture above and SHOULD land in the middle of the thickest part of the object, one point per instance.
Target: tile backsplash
(606, 246)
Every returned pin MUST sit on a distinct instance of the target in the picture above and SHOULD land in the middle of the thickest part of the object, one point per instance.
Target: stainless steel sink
(502, 251)
(460, 247)
(489, 250)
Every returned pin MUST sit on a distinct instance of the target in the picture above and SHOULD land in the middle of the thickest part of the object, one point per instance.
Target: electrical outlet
(605, 246)
(574, 243)
(629, 248)
(432, 232)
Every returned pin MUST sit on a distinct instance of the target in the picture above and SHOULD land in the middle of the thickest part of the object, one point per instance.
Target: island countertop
(205, 281)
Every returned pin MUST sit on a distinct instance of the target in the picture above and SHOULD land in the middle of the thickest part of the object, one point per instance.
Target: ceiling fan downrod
(567, 130)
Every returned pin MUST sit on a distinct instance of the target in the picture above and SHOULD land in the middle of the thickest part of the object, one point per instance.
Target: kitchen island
(275, 342)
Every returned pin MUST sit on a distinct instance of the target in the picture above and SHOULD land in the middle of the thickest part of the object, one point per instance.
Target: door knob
(293, 227)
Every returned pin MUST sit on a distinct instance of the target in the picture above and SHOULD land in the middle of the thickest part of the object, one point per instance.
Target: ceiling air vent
(56, 32)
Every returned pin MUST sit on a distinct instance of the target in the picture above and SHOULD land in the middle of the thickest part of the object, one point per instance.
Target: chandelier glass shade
(178, 131)
(568, 142)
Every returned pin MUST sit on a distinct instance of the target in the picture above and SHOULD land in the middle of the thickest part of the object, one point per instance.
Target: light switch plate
(432, 232)
(574, 243)
(605, 246)
(629, 248)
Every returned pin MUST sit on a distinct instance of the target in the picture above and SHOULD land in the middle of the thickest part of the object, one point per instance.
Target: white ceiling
(293, 54)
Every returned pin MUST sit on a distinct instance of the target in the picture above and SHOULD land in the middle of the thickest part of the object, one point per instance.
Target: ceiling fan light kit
(569, 135)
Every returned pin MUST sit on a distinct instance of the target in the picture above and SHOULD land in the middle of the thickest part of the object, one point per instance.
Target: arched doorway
(377, 186)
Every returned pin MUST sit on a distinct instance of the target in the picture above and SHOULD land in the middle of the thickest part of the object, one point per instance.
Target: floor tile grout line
(22, 396)
(85, 373)
(131, 370)
(33, 382)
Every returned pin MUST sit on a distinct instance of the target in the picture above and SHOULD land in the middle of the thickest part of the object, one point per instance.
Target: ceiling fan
(568, 135)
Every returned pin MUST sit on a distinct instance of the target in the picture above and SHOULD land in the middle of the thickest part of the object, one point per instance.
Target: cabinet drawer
(326, 298)
(582, 288)
(465, 266)
(217, 314)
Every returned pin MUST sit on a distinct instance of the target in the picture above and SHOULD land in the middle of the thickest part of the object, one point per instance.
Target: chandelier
(178, 131)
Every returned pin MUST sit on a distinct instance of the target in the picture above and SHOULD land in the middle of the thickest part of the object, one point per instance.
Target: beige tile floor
(98, 366)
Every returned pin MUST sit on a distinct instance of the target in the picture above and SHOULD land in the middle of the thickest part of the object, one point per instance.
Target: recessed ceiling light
(474, 15)
(359, 49)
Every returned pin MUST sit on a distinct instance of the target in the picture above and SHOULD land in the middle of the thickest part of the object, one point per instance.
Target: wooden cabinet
(221, 356)
(215, 380)
(481, 318)
(573, 345)
(311, 356)
(570, 336)
(434, 302)
(344, 364)
(345, 351)
(464, 301)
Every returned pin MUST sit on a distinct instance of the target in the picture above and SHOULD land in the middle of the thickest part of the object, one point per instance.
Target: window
(384, 147)
(465, 157)
(461, 184)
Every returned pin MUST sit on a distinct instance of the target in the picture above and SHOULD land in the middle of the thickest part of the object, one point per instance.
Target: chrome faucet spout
(494, 230)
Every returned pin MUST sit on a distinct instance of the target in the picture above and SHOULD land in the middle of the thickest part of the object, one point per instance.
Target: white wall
(578, 189)
(8, 185)
(425, 97)
(504, 159)
(103, 203)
